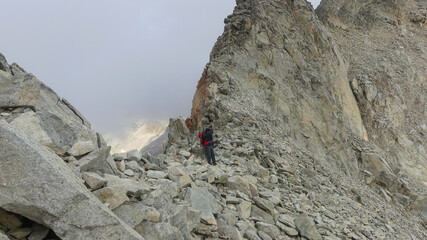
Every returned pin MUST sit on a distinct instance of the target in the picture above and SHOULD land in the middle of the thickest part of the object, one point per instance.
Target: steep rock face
(348, 93)
(276, 66)
(385, 47)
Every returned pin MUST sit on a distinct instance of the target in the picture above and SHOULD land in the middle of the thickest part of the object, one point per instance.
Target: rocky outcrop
(35, 109)
(53, 132)
(25, 91)
(385, 49)
(341, 86)
(37, 184)
(278, 69)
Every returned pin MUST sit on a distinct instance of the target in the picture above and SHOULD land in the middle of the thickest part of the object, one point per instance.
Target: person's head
(208, 130)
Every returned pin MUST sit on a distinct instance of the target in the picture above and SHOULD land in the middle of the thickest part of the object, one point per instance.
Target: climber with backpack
(206, 139)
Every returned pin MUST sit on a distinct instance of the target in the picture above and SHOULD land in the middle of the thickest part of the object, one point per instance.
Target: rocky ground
(297, 155)
(286, 195)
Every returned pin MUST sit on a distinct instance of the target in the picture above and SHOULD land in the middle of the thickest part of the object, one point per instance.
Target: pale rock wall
(277, 65)
(384, 44)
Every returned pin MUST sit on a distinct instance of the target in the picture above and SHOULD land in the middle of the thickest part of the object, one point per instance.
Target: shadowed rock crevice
(15, 226)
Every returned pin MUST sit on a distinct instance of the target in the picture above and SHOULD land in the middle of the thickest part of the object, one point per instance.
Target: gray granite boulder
(57, 133)
(306, 227)
(37, 184)
(200, 199)
(159, 231)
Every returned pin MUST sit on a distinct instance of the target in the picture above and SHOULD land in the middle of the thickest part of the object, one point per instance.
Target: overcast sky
(115, 61)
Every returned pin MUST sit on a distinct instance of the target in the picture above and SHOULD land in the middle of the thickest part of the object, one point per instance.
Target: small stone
(207, 230)
(93, 180)
(288, 230)
(121, 165)
(119, 156)
(38, 232)
(9, 220)
(264, 204)
(20, 233)
(328, 213)
(133, 165)
(232, 200)
(133, 155)
(156, 174)
(263, 174)
(239, 183)
(129, 173)
(227, 230)
(254, 189)
(264, 236)
(134, 213)
(244, 210)
(287, 220)
(82, 147)
(227, 161)
(113, 196)
(274, 179)
(131, 186)
(177, 175)
(184, 153)
(158, 231)
(251, 235)
(270, 229)
(386, 196)
(262, 215)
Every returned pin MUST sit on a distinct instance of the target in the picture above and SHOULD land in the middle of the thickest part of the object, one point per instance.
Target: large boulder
(162, 197)
(159, 231)
(185, 218)
(178, 131)
(306, 227)
(96, 160)
(38, 111)
(39, 186)
(56, 133)
(112, 196)
(133, 213)
(24, 90)
(131, 187)
(203, 201)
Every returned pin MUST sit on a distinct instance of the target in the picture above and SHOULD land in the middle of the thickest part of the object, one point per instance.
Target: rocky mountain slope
(347, 91)
(319, 131)
(385, 47)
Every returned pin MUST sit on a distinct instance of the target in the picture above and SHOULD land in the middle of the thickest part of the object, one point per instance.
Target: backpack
(201, 136)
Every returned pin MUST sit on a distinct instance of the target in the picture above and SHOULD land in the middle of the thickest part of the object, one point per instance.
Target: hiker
(206, 138)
